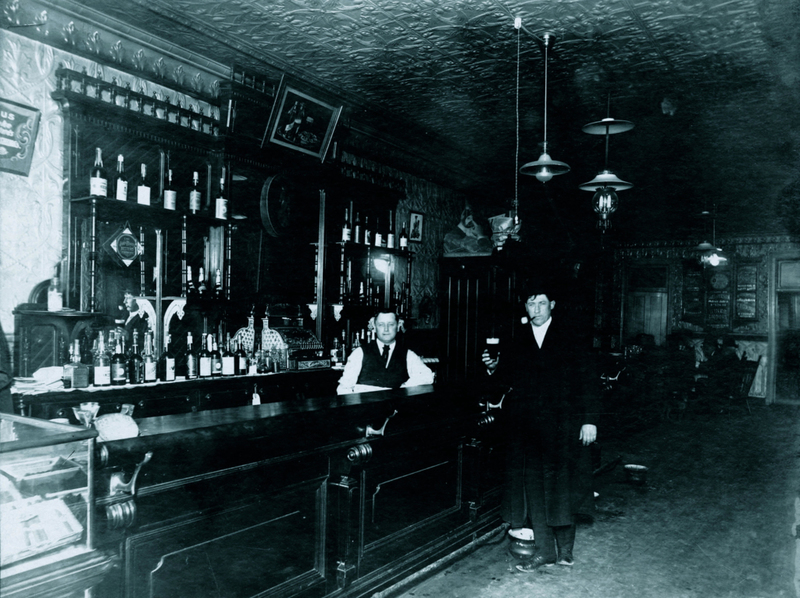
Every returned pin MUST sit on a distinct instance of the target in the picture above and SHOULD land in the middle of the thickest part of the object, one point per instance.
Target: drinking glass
(493, 347)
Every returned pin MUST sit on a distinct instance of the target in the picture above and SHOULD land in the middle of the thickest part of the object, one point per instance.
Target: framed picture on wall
(302, 122)
(19, 125)
(415, 222)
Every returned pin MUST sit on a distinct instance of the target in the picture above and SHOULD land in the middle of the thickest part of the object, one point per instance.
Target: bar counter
(325, 496)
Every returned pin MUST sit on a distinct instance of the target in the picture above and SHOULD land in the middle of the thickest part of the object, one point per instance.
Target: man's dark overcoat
(553, 395)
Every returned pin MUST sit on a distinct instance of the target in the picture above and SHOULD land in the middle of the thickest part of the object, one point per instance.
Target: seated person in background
(383, 363)
(722, 366)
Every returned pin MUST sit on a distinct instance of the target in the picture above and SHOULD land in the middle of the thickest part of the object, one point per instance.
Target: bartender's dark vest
(373, 372)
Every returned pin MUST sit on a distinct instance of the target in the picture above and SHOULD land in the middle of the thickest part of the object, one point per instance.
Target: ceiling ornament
(606, 183)
(545, 168)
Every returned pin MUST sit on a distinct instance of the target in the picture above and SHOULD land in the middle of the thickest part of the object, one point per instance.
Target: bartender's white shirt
(418, 372)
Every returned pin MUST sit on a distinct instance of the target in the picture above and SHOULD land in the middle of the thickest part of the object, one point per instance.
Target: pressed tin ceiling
(711, 85)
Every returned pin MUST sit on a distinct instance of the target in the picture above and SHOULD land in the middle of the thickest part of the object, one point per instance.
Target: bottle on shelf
(98, 180)
(204, 361)
(357, 229)
(403, 238)
(218, 294)
(216, 356)
(119, 365)
(378, 233)
(101, 366)
(191, 359)
(240, 356)
(362, 299)
(135, 362)
(55, 298)
(191, 291)
(121, 184)
(367, 232)
(390, 241)
(195, 197)
(221, 203)
(142, 188)
(170, 195)
(228, 358)
(346, 230)
(166, 362)
(201, 282)
(335, 352)
(149, 359)
(343, 348)
(76, 374)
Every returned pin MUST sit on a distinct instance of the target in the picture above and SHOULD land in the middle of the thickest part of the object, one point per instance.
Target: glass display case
(46, 507)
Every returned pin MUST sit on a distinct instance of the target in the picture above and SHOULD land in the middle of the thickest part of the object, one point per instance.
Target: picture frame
(20, 125)
(301, 122)
(416, 220)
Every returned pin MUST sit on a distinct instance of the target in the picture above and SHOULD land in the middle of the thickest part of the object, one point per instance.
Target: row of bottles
(112, 364)
(363, 234)
(101, 184)
(204, 289)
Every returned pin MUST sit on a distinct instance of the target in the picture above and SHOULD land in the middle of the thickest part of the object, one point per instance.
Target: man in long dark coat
(550, 416)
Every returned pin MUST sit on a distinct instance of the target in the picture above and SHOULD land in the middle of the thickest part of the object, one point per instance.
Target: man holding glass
(550, 417)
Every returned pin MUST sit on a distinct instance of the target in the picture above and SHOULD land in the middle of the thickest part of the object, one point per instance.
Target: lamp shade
(608, 126)
(606, 179)
(545, 168)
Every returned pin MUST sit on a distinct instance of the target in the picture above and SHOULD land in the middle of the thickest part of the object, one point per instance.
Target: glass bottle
(166, 362)
(216, 356)
(201, 282)
(240, 355)
(367, 232)
(170, 195)
(149, 358)
(228, 358)
(357, 229)
(98, 181)
(191, 359)
(119, 365)
(346, 230)
(378, 233)
(191, 291)
(195, 197)
(403, 238)
(218, 285)
(101, 364)
(221, 203)
(204, 360)
(121, 188)
(135, 362)
(390, 233)
(143, 189)
(55, 298)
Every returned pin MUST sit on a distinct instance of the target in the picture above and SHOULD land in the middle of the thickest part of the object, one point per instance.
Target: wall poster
(18, 128)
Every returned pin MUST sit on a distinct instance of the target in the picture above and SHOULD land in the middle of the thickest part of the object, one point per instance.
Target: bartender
(383, 363)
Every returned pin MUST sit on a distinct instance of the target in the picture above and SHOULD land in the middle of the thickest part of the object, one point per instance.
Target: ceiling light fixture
(710, 254)
(545, 168)
(606, 183)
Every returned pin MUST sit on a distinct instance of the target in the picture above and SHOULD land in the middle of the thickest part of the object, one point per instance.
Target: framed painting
(302, 122)
(415, 223)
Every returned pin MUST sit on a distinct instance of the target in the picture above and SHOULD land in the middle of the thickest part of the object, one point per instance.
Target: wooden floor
(716, 518)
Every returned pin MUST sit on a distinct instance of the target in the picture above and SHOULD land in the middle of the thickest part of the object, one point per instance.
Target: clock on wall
(719, 281)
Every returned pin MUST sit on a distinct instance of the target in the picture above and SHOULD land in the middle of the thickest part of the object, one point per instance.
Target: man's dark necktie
(385, 355)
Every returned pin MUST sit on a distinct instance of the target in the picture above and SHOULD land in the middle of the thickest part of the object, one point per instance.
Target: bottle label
(221, 208)
(345, 233)
(227, 365)
(143, 195)
(170, 200)
(194, 201)
(122, 190)
(216, 366)
(403, 242)
(191, 367)
(55, 300)
(243, 364)
(97, 186)
(102, 375)
(149, 371)
(169, 373)
(378, 239)
(390, 241)
(118, 374)
(205, 367)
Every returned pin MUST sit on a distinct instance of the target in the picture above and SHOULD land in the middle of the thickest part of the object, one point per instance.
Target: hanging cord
(518, 25)
(546, 43)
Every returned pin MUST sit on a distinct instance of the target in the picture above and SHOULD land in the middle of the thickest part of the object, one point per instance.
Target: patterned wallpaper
(31, 207)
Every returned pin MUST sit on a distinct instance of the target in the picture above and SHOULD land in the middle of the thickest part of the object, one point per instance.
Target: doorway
(786, 342)
(646, 304)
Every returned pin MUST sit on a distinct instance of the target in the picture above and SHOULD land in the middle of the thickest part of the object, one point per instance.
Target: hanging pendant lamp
(545, 168)
(606, 183)
(710, 254)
